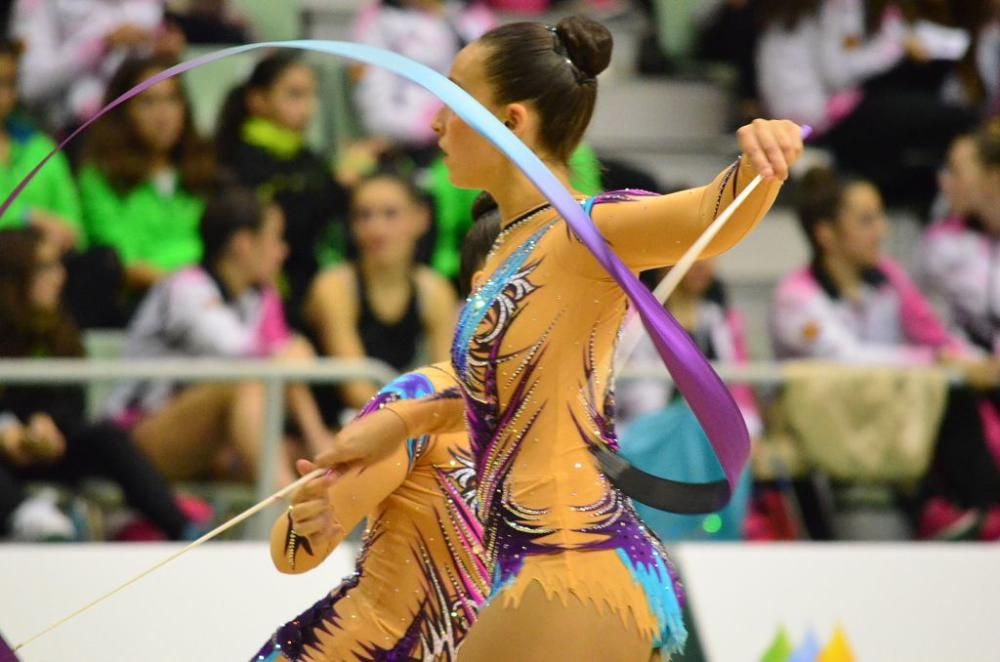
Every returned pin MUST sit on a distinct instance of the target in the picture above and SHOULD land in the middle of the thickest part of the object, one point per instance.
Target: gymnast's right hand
(311, 512)
(363, 442)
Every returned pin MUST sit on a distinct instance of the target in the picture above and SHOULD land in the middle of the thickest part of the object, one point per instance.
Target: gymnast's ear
(515, 117)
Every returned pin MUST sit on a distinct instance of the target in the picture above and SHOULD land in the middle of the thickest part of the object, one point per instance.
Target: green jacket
(452, 205)
(143, 226)
(52, 190)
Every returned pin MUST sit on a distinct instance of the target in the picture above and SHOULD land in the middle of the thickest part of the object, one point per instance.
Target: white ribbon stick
(633, 330)
(246, 514)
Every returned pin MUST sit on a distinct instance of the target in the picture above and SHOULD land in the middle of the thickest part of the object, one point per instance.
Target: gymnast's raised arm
(654, 231)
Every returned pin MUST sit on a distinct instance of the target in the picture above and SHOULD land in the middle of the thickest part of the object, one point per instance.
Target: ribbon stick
(632, 332)
(246, 514)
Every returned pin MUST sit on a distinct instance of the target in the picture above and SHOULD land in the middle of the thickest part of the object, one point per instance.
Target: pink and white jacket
(392, 107)
(66, 64)
(188, 315)
(961, 264)
(721, 335)
(891, 323)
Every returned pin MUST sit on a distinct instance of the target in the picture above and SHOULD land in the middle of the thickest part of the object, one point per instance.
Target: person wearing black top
(261, 141)
(383, 304)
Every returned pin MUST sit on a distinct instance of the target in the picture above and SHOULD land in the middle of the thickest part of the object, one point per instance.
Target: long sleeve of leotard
(440, 413)
(352, 497)
(654, 231)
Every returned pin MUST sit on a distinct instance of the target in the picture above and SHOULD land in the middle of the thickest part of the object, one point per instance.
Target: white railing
(277, 375)
(274, 375)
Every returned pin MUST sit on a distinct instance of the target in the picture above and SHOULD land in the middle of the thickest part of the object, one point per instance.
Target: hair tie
(559, 46)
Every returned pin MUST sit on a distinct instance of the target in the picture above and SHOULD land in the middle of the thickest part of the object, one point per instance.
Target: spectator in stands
(44, 433)
(50, 203)
(958, 258)
(73, 48)
(428, 31)
(852, 304)
(261, 139)
(144, 177)
(383, 304)
(817, 63)
(226, 307)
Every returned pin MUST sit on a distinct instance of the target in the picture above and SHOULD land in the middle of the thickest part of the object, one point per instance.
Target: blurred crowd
(255, 242)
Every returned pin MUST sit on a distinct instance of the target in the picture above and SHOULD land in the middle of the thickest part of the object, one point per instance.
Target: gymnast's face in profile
(473, 163)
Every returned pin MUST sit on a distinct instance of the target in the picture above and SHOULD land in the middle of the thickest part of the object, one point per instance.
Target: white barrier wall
(895, 602)
(911, 603)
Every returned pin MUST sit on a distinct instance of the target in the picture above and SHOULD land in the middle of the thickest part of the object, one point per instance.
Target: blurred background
(170, 342)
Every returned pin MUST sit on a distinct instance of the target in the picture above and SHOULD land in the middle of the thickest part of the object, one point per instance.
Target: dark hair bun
(588, 44)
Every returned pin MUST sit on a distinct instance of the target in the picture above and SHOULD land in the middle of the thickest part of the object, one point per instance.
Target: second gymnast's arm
(367, 440)
(351, 497)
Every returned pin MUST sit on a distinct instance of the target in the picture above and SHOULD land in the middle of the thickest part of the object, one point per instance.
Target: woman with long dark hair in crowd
(45, 434)
(144, 177)
(853, 304)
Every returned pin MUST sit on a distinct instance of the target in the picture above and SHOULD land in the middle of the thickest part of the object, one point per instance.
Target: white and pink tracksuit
(961, 264)
(189, 315)
(891, 322)
(67, 62)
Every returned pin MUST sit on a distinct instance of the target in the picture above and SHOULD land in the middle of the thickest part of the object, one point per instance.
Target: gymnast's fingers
(769, 141)
(342, 452)
(315, 490)
(753, 151)
(305, 467)
(790, 139)
(365, 440)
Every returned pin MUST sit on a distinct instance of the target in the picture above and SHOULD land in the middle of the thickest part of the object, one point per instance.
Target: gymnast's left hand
(771, 146)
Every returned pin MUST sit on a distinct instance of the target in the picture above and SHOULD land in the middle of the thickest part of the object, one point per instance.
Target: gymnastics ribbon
(704, 392)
